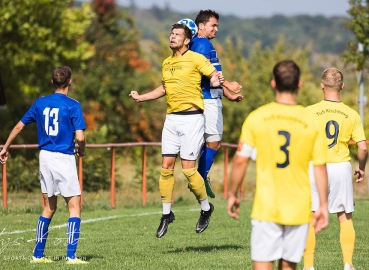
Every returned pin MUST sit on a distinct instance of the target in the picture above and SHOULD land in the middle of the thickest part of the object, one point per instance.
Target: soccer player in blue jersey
(60, 125)
(207, 23)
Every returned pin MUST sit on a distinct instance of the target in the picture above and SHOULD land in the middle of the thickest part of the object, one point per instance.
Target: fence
(112, 147)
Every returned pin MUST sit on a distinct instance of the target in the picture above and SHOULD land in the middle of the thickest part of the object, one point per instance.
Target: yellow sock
(166, 185)
(310, 248)
(196, 182)
(347, 239)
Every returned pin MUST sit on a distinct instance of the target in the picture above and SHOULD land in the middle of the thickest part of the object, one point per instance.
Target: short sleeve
(30, 116)
(246, 132)
(358, 134)
(78, 121)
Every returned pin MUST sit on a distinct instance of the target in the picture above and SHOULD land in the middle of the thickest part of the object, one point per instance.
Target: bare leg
(262, 265)
(50, 206)
(286, 265)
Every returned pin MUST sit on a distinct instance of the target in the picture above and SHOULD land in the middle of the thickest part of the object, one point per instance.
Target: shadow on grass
(206, 248)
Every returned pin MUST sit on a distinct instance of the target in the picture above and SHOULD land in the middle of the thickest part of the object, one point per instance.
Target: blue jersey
(58, 117)
(203, 46)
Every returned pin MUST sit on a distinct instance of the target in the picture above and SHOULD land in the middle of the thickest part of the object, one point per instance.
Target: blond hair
(332, 78)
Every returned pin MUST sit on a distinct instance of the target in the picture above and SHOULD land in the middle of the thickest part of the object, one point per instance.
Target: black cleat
(164, 223)
(204, 219)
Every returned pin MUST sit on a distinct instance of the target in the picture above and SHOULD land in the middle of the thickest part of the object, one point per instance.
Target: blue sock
(42, 231)
(206, 160)
(74, 223)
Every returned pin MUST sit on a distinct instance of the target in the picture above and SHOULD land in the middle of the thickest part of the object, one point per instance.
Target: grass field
(124, 238)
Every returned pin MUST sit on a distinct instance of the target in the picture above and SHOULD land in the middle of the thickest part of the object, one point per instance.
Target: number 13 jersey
(340, 124)
(58, 117)
(286, 138)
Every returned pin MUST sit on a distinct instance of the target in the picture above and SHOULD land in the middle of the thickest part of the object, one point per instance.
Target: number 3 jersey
(286, 138)
(58, 117)
(340, 124)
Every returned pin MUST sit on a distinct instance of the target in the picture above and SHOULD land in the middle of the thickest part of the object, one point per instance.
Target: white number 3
(52, 129)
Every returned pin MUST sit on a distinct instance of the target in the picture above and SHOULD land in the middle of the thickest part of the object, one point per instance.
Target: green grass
(127, 240)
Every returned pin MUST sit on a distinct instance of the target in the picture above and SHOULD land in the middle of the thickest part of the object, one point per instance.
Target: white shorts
(213, 120)
(340, 190)
(183, 134)
(58, 174)
(271, 241)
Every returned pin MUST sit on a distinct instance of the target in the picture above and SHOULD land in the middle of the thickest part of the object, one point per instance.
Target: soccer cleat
(40, 260)
(204, 219)
(209, 191)
(311, 268)
(349, 267)
(75, 261)
(164, 223)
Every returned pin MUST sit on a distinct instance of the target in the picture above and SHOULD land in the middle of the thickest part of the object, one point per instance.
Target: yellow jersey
(286, 138)
(182, 80)
(340, 124)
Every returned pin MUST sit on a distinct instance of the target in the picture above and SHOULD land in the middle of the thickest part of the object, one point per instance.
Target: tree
(117, 68)
(359, 25)
(36, 36)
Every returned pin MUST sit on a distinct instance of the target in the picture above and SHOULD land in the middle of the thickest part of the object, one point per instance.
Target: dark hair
(61, 76)
(188, 32)
(287, 76)
(205, 15)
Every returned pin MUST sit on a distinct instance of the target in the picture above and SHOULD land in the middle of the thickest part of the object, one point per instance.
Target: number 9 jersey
(58, 117)
(341, 124)
(286, 138)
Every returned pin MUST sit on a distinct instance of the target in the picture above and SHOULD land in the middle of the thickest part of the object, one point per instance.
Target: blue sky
(252, 8)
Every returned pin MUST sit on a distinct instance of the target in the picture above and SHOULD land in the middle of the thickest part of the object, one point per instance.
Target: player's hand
(236, 97)
(320, 219)
(79, 153)
(233, 206)
(234, 87)
(135, 96)
(3, 156)
(360, 174)
(221, 78)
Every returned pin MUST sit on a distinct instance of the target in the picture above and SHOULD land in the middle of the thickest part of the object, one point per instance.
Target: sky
(252, 8)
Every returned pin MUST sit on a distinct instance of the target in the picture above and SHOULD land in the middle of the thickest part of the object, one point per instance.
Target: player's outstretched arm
(230, 96)
(4, 153)
(362, 155)
(81, 143)
(154, 94)
(320, 217)
(237, 174)
(216, 78)
(234, 87)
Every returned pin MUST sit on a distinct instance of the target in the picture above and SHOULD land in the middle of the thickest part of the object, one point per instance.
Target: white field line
(93, 220)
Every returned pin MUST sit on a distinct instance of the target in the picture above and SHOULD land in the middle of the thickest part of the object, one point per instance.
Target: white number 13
(53, 129)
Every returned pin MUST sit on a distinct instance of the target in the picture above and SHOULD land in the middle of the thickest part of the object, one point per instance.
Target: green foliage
(37, 36)
(359, 25)
(116, 69)
(22, 174)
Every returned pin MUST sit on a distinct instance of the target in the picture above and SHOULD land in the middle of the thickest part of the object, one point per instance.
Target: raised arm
(216, 78)
(154, 94)
(4, 153)
(362, 155)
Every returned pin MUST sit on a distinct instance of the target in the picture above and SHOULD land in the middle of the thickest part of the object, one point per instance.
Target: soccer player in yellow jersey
(340, 124)
(286, 138)
(183, 130)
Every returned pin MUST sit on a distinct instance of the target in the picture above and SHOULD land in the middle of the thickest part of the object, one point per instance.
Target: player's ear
(70, 82)
(300, 84)
(201, 26)
(187, 41)
(273, 84)
(343, 85)
(322, 86)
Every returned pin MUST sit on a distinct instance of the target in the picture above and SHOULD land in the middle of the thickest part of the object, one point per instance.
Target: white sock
(205, 206)
(166, 208)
